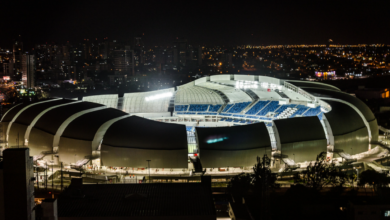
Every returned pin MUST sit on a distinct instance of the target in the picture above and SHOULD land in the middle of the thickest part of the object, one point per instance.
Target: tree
(255, 182)
(262, 175)
(373, 178)
(321, 173)
(43, 95)
(241, 184)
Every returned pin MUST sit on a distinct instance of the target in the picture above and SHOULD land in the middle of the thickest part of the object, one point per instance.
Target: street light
(357, 175)
(46, 176)
(149, 169)
(52, 176)
(61, 168)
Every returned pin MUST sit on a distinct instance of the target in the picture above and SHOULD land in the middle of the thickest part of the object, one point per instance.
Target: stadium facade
(219, 121)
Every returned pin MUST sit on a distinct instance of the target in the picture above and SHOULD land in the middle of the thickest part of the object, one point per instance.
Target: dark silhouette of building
(180, 47)
(136, 201)
(17, 185)
(28, 70)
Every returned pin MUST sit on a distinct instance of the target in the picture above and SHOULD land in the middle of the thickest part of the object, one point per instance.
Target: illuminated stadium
(215, 123)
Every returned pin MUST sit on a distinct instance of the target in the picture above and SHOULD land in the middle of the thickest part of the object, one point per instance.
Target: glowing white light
(246, 85)
(159, 96)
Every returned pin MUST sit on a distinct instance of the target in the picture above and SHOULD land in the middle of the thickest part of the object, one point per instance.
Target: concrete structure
(224, 120)
(17, 185)
(28, 71)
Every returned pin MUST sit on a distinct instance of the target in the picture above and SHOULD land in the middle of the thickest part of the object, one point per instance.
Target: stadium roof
(28, 116)
(234, 95)
(308, 84)
(324, 93)
(196, 95)
(10, 114)
(52, 120)
(86, 126)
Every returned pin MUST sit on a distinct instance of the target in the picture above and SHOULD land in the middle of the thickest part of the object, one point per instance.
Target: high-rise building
(28, 70)
(139, 55)
(124, 61)
(17, 185)
(200, 55)
(8, 68)
(180, 47)
(123, 66)
(229, 58)
(17, 52)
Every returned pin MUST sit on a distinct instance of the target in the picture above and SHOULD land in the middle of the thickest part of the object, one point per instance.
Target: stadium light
(159, 96)
(246, 85)
(264, 85)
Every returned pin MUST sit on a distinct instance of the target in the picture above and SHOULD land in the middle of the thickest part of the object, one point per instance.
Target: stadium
(214, 124)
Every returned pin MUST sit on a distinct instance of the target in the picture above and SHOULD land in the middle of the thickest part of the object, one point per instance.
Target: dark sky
(201, 22)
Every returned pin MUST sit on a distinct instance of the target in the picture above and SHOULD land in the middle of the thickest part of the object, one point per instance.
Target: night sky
(201, 22)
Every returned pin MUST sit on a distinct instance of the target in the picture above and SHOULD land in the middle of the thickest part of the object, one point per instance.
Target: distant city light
(159, 96)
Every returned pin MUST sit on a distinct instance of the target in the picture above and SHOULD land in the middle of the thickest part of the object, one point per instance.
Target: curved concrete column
(102, 131)
(277, 137)
(328, 131)
(28, 131)
(61, 129)
(20, 112)
(9, 111)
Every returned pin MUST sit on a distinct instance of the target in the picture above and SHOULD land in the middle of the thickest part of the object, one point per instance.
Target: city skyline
(215, 23)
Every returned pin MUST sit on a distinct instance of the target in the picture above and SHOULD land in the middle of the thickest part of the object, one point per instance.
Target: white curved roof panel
(234, 95)
(147, 101)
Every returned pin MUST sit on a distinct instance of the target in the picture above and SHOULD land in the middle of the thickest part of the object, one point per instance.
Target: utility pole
(46, 177)
(61, 176)
(149, 169)
(36, 169)
(52, 176)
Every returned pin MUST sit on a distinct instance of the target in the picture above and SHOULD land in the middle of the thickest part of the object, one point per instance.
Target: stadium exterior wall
(348, 128)
(244, 77)
(15, 131)
(40, 141)
(135, 157)
(357, 140)
(70, 147)
(235, 158)
(374, 130)
(304, 150)
(221, 77)
(235, 146)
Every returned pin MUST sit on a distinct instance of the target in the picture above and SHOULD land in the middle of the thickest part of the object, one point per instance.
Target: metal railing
(299, 91)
